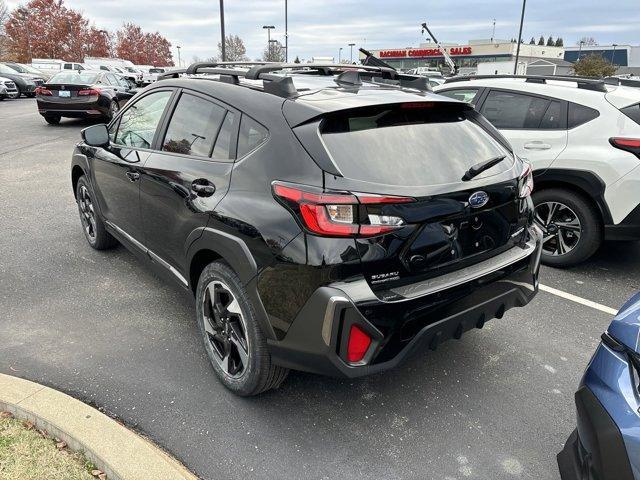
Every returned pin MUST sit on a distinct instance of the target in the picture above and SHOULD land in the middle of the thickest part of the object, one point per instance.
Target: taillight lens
(336, 214)
(89, 92)
(627, 144)
(357, 345)
(43, 91)
(526, 181)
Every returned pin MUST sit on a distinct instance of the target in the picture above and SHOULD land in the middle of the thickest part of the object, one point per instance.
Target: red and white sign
(424, 52)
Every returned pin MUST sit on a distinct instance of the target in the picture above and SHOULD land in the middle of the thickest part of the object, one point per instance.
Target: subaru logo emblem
(478, 199)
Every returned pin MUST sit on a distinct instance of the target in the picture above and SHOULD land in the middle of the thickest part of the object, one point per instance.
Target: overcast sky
(320, 27)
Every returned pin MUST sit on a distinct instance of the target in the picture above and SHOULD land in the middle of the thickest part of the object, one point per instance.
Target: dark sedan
(26, 83)
(82, 94)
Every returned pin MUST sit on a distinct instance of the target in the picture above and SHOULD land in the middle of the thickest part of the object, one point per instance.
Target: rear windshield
(74, 78)
(633, 112)
(411, 144)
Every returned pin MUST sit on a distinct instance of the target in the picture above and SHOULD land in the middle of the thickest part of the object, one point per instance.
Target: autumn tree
(274, 52)
(235, 51)
(142, 48)
(593, 66)
(4, 16)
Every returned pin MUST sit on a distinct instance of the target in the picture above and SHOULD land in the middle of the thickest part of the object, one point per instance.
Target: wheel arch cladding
(76, 172)
(584, 183)
(200, 260)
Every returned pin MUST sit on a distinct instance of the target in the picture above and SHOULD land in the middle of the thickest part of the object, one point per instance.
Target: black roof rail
(625, 82)
(594, 84)
(171, 74)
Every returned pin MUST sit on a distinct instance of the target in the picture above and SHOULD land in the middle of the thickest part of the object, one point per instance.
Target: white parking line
(580, 300)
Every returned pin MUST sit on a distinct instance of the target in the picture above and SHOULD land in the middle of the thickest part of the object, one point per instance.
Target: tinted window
(251, 135)
(468, 95)
(193, 127)
(139, 122)
(552, 117)
(410, 146)
(111, 79)
(72, 78)
(68, 66)
(222, 148)
(514, 110)
(579, 114)
(633, 112)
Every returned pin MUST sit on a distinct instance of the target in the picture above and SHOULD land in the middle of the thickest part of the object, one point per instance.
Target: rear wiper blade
(478, 168)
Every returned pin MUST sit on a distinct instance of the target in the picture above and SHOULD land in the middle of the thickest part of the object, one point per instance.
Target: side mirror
(96, 135)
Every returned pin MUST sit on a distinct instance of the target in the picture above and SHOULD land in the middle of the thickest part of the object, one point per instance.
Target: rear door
(116, 169)
(422, 151)
(186, 176)
(535, 126)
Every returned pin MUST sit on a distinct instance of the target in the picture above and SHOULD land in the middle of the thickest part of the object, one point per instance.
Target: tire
(52, 119)
(30, 95)
(587, 224)
(259, 374)
(114, 108)
(92, 225)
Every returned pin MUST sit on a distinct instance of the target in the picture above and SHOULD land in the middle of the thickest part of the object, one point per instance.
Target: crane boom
(447, 57)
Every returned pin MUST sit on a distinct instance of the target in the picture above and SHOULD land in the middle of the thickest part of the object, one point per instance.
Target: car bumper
(628, 229)
(316, 340)
(73, 109)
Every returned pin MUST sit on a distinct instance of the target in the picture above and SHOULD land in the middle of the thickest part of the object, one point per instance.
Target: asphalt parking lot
(498, 404)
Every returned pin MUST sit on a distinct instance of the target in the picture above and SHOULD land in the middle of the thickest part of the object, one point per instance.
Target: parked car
(81, 94)
(151, 75)
(26, 83)
(8, 89)
(583, 139)
(333, 230)
(28, 70)
(606, 443)
(51, 66)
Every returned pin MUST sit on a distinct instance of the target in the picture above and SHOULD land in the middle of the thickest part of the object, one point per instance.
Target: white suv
(583, 139)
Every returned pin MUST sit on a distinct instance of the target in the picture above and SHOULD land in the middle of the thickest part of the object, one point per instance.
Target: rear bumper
(628, 229)
(316, 340)
(73, 109)
(596, 449)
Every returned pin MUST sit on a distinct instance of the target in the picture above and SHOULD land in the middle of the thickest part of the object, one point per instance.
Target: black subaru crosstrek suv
(326, 218)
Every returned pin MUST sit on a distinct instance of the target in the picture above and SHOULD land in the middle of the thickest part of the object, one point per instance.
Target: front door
(186, 177)
(535, 126)
(116, 169)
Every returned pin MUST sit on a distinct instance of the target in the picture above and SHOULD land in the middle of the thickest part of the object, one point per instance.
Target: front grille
(10, 85)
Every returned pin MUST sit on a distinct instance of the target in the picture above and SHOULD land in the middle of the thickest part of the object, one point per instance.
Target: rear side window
(633, 112)
(222, 148)
(139, 122)
(193, 127)
(251, 135)
(410, 145)
(579, 114)
(514, 110)
(467, 95)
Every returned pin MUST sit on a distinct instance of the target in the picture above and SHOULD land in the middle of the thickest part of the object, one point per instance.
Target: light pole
(179, 59)
(223, 45)
(286, 33)
(493, 35)
(268, 28)
(339, 54)
(580, 49)
(105, 35)
(351, 52)
(613, 54)
(515, 66)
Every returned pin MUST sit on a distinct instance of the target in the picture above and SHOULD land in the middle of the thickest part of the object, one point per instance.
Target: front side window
(464, 95)
(251, 135)
(514, 110)
(193, 127)
(139, 122)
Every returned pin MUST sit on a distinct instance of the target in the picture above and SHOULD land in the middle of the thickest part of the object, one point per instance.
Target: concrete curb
(114, 449)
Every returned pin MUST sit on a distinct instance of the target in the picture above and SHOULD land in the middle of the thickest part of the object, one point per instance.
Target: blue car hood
(626, 325)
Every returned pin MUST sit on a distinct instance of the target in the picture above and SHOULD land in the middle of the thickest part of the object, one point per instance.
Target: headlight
(526, 180)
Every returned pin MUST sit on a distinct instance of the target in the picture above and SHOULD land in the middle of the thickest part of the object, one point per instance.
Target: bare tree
(235, 50)
(588, 41)
(274, 52)
(4, 16)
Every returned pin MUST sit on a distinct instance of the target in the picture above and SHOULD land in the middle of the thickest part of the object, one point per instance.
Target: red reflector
(626, 142)
(43, 91)
(368, 199)
(358, 344)
(89, 92)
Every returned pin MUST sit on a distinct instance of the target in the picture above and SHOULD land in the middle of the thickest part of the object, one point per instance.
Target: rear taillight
(357, 345)
(338, 214)
(627, 144)
(89, 92)
(43, 91)
(526, 181)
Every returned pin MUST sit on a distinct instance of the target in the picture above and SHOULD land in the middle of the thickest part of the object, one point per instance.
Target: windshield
(410, 144)
(17, 68)
(5, 69)
(30, 69)
(74, 78)
(156, 70)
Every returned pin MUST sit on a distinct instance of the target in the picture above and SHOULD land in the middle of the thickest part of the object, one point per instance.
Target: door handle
(203, 188)
(537, 146)
(133, 176)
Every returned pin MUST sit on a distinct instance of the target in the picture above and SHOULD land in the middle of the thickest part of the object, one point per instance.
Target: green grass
(26, 454)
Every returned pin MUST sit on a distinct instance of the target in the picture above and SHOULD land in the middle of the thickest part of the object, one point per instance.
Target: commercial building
(466, 56)
(621, 55)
